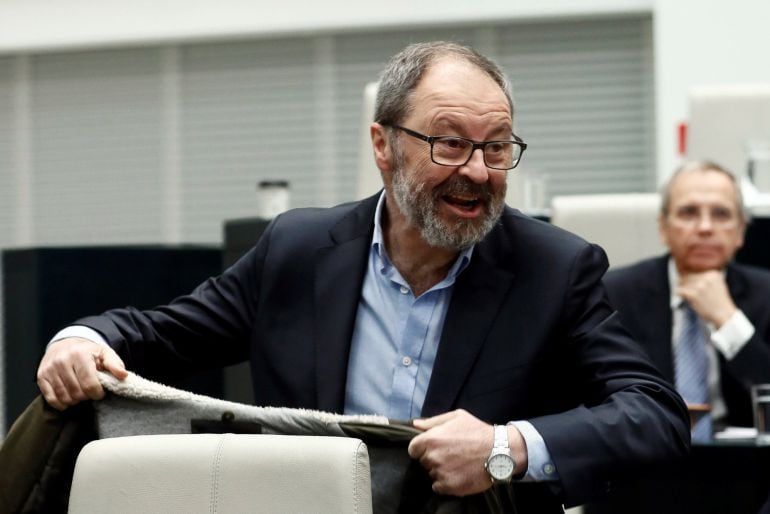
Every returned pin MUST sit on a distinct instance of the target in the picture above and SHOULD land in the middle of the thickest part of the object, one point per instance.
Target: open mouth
(465, 206)
(462, 203)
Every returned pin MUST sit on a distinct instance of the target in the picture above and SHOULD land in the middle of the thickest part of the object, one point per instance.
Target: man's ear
(383, 152)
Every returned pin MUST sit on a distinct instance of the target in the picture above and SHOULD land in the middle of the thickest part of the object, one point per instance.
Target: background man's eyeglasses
(719, 217)
(457, 151)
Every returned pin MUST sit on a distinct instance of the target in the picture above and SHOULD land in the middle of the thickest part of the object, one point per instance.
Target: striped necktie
(692, 365)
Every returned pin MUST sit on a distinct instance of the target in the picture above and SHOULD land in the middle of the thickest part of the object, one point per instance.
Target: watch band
(500, 464)
(501, 436)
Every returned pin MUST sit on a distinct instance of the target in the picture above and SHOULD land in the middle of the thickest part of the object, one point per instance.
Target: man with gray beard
(431, 301)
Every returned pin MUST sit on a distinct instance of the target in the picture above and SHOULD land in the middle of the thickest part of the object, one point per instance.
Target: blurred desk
(726, 477)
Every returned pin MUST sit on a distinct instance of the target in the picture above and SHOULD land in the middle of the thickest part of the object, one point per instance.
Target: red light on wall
(681, 131)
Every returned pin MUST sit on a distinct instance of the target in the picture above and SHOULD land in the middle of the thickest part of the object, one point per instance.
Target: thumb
(112, 363)
(428, 423)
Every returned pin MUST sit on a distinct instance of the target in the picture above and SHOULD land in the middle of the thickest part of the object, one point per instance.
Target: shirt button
(548, 469)
(406, 361)
(404, 290)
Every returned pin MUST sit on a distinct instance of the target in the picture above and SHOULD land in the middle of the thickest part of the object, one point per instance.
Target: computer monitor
(730, 124)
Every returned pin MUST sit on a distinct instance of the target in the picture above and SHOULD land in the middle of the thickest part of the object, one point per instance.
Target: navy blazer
(642, 295)
(529, 335)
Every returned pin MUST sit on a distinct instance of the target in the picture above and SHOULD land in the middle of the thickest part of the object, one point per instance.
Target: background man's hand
(708, 295)
(454, 448)
(67, 373)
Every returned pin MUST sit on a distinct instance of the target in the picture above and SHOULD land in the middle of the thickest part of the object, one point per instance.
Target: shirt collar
(378, 244)
(673, 281)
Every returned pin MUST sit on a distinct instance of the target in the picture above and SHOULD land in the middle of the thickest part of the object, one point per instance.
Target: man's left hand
(454, 448)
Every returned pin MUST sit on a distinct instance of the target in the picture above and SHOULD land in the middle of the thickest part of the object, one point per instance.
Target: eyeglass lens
(454, 151)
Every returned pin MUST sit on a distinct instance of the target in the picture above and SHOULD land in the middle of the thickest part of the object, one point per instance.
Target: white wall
(697, 42)
(42, 24)
(703, 42)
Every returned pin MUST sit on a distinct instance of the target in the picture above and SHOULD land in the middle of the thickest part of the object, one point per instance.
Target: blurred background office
(152, 122)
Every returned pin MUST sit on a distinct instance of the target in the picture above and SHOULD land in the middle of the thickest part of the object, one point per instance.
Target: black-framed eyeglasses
(457, 151)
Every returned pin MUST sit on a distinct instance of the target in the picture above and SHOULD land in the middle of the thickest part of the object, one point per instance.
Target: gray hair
(702, 166)
(404, 70)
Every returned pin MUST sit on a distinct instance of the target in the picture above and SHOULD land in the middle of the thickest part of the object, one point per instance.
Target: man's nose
(475, 169)
(705, 223)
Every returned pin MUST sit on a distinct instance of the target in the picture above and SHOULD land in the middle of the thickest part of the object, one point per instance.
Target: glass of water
(760, 400)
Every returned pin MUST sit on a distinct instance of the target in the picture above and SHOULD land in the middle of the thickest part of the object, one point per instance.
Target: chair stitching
(357, 472)
(215, 476)
(354, 469)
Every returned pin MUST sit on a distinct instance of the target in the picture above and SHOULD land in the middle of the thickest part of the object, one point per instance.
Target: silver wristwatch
(500, 464)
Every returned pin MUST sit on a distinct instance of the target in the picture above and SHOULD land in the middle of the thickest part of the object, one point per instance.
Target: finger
(439, 487)
(49, 395)
(113, 364)
(89, 383)
(416, 447)
(71, 373)
(61, 376)
(428, 423)
(60, 392)
(687, 293)
(442, 484)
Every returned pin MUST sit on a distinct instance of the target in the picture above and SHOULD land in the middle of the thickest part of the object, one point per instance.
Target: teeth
(463, 204)
(463, 201)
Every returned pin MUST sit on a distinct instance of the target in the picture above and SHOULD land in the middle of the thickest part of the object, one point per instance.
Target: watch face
(500, 466)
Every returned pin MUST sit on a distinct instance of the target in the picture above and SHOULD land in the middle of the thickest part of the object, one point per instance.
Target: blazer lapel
(339, 275)
(476, 300)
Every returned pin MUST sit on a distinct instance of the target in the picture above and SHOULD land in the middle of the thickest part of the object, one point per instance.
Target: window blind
(164, 143)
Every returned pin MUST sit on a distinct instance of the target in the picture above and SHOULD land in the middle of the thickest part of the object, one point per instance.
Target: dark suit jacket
(528, 335)
(641, 294)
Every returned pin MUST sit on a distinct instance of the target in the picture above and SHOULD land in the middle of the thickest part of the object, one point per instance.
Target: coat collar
(476, 300)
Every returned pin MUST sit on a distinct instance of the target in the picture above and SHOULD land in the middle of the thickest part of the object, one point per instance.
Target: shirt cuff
(78, 331)
(733, 335)
(541, 467)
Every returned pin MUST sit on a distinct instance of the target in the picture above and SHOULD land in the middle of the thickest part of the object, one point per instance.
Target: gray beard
(420, 207)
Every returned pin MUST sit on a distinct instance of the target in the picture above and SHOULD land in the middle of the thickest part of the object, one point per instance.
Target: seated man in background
(703, 319)
(431, 299)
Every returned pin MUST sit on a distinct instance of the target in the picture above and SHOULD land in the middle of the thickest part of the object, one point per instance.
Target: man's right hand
(67, 373)
(708, 294)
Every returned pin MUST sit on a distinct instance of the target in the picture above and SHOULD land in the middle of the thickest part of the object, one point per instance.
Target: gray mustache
(462, 186)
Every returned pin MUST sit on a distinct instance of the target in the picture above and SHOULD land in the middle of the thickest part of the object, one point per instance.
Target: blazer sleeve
(629, 414)
(750, 287)
(752, 362)
(205, 329)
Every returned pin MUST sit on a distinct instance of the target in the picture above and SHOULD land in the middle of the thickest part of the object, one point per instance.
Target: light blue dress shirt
(395, 337)
(395, 340)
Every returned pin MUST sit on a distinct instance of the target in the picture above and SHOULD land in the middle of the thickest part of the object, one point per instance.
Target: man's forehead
(451, 89)
(703, 180)
(704, 187)
(455, 75)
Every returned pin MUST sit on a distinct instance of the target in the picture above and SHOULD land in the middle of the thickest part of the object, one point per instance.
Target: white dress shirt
(727, 340)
